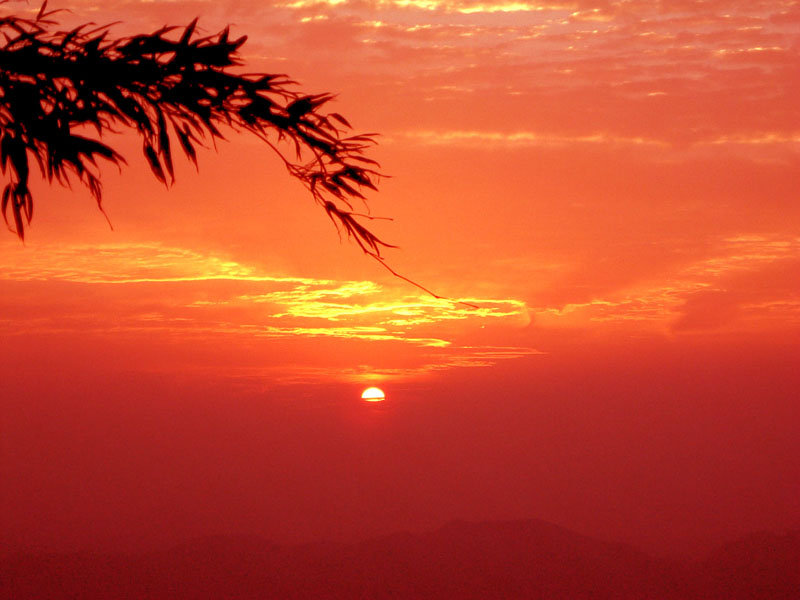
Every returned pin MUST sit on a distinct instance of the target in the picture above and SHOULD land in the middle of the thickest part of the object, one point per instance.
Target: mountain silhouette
(462, 560)
(761, 566)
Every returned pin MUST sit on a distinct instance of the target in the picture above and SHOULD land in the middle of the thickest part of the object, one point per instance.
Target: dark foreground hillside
(518, 559)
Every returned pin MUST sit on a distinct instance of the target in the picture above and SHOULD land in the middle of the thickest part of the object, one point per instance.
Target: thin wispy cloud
(747, 282)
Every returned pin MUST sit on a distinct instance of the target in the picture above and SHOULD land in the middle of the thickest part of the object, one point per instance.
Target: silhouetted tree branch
(169, 86)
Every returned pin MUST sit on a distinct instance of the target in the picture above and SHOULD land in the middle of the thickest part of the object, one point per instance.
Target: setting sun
(373, 394)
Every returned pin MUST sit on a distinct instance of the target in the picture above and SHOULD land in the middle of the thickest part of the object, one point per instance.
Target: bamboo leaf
(155, 164)
(187, 33)
(54, 83)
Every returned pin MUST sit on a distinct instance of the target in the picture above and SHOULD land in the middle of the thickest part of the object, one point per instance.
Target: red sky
(613, 183)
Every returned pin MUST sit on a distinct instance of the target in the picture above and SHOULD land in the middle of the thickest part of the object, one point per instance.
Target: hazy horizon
(134, 472)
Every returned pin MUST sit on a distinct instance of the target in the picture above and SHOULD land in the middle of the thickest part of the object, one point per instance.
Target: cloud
(746, 283)
(135, 294)
(755, 285)
(467, 7)
(125, 263)
(434, 361)
(489, 139)
(664, 72)
(758, 147)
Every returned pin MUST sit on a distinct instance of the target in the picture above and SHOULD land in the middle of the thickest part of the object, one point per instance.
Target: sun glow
(373, 394)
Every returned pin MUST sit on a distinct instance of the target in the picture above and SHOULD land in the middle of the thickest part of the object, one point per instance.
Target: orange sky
(613, 183)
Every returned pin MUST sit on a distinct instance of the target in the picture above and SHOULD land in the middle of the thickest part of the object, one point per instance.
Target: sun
(373, 394)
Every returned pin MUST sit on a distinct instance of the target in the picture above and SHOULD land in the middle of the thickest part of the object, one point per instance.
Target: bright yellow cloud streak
(273, 306)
